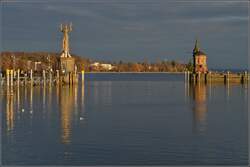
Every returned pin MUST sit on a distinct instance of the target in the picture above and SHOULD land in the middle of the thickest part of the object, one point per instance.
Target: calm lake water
(126, 119)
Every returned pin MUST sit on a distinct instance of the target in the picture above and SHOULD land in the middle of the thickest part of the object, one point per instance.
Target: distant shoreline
(135, 72)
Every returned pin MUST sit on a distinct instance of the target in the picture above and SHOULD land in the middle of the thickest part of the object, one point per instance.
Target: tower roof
(196, 50)
(200, 53)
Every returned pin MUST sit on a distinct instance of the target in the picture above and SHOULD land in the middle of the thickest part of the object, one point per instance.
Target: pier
(217, 77)
(15, 78)
(200, 73)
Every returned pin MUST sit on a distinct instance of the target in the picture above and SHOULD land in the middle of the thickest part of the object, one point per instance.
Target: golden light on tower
(68, 68)
(65, 29)
(199, 60)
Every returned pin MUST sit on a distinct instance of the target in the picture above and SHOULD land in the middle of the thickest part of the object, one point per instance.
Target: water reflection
(44, 98)
(31, 99)
(66, 109)
(49, 96)
(199, 95)
(126, 112)
(22, 99)
(102, 92)
(18, 98)
(9, 109)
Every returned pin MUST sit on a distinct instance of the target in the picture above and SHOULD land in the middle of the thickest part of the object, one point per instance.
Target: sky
(131, 30)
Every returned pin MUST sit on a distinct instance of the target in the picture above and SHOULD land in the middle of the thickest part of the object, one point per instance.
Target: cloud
(71, 10)
(134, 27)
(217, 19)
(123, 28)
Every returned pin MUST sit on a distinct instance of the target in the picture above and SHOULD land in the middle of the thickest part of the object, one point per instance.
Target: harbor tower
(199, 60)
(68, 69)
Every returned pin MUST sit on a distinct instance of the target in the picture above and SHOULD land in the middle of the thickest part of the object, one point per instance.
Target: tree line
(39, 61)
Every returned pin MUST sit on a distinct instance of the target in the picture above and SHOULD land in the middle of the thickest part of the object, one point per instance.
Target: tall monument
(65, 29)
(67, 62)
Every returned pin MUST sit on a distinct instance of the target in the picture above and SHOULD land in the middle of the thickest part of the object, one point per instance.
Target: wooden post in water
(1, 78)
(57, 76)
(50, 77)
(14, 74)
(75, 77)
(242, 77)
(206, 78)
(7, 77)
(25, 78)
(31, 77)
(11, 78)
(245, 77)
(185, 75)
(82, 76)
(210, 77)
(71, 78)
(228, 75)
(18, 77)
(199, 76)
(194, 78)
(44, 77)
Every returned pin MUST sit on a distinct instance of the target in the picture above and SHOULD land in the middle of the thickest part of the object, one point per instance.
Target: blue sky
(131, 30)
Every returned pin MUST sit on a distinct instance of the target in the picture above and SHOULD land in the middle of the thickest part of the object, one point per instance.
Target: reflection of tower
(66, 109)
(200, 106)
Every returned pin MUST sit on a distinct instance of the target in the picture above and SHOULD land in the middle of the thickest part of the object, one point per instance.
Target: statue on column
(68, 73)
(65, 29)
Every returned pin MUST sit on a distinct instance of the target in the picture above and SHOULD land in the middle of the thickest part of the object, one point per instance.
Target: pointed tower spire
(196, 47)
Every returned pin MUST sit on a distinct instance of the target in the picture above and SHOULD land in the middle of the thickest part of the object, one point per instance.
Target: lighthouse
(199, 60)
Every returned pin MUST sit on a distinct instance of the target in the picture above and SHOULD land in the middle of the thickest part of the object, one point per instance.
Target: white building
(103, 66)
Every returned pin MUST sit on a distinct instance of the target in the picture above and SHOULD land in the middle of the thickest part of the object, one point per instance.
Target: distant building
(95, 64)
(199, 60)
(38, 65)
(98, 65)
(107, 66)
